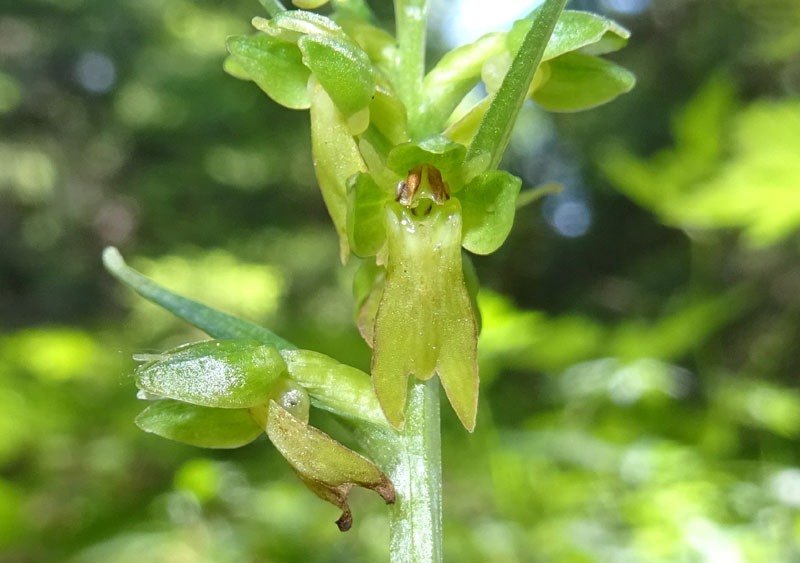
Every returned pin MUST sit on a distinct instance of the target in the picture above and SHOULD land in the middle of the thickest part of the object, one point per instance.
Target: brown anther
(439, 188)
(406, 190)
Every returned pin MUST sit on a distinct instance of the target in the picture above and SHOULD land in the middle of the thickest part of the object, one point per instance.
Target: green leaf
(199, 426)
(275, 65)
(227, 374)
(293, 24)
(438, 151)
(366, 228)
(334, 386)
(336, 158)
(425, 321)
(454, 76)
(488, 204)
(328, 468)
(214, 323)
(495, 129)
(575, 30)
(580, 82)
(342, 68)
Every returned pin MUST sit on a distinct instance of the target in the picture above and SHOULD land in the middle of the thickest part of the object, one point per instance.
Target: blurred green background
(639, 358)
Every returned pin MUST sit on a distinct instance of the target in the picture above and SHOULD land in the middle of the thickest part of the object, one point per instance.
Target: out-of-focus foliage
(640, 399)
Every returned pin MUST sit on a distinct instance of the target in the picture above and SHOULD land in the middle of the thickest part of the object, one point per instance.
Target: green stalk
(413, 458)
(410, 17)
(413, 461)
(495, 129)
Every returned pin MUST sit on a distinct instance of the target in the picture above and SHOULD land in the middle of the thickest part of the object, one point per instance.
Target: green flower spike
(425, 322)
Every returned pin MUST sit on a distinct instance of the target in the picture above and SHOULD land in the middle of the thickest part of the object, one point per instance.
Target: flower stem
(413, 461)
(415, 520)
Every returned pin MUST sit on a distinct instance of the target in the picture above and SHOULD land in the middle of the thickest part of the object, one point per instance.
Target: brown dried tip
(345, 521)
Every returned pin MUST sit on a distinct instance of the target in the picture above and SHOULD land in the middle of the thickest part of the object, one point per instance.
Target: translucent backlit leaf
(577, 82)
(575, 30)
(275, 65)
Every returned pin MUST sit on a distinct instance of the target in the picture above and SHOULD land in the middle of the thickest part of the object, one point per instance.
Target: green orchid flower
(412, 203)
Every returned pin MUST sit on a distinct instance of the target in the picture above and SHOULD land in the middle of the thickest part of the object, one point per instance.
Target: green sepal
(454, 76)
(488, 204)
(438, 151)
(425, 322)
(328, 468)
(204, 427)
(575, 30)
(379, 45)
(228, 374)
(388, 115)
(367, 290)
(291, 25)
(366, 225)
(334, 386)
(211, 321)
(309, 4)
(233, 68)
(276, 66)
(577, 82)
(473, 285)
(336, 158)
(342, 68)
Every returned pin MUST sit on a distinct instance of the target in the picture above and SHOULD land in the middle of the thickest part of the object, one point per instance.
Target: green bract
(219, 373)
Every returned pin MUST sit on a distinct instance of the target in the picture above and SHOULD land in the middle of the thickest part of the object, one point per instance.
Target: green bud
(205, 427)
(216, 373)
